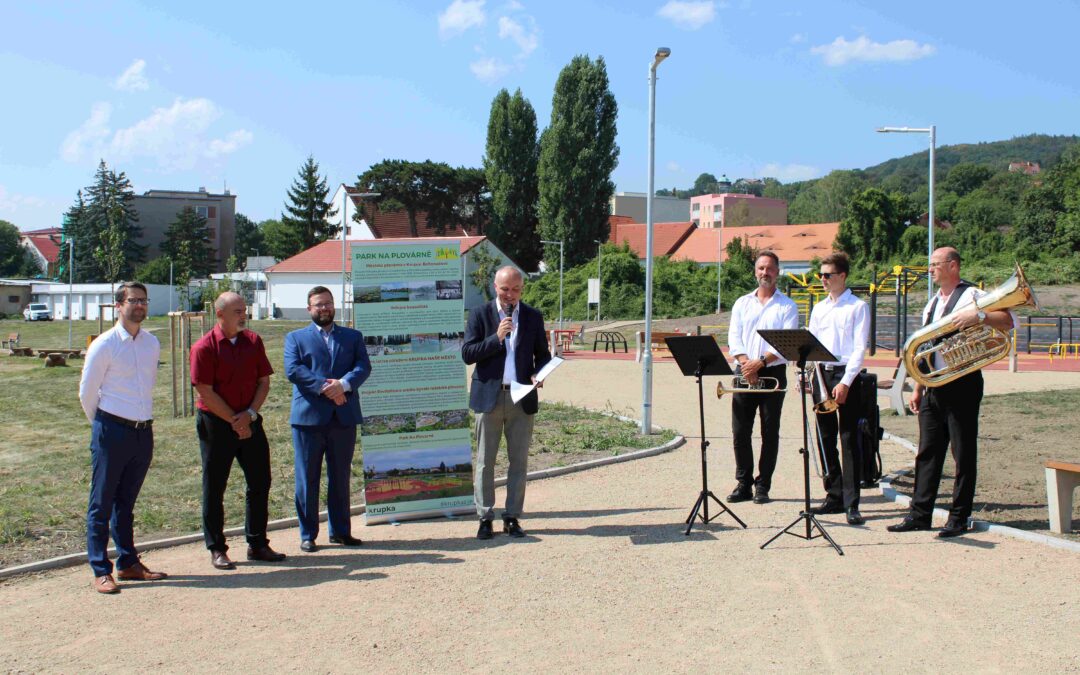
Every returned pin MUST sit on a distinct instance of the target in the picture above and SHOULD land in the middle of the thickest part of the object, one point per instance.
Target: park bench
(66, 353)
(11, 342)
(610, 339)
(22, 351)
(1062, 479)
(659, 347)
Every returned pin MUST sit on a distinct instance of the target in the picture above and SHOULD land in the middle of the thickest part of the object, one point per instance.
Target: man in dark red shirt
(230, 371)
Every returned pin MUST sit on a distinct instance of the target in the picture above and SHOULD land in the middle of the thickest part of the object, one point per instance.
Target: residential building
(665, 209)
(87, 300)
(667, 237)
(1029, 168)
(158, 210)
(44, 245)
(730, 209)
(376, 224)
(14, 297)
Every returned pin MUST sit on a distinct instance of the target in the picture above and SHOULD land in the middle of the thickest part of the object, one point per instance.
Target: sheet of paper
(519, 391)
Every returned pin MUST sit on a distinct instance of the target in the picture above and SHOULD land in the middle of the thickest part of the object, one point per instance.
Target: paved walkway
(606, 582)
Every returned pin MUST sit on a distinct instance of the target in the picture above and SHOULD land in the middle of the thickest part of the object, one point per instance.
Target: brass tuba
(965, 351)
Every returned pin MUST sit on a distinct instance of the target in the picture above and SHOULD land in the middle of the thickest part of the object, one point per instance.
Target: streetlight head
(661, 54)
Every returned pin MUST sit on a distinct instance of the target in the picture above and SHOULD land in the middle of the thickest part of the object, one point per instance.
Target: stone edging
(889, 492)
(286, 523)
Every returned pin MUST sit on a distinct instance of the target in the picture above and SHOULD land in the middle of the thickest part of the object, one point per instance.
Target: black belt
(506, 387)
(146, 424)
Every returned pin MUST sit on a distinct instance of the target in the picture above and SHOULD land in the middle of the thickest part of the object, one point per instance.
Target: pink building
(735, 210)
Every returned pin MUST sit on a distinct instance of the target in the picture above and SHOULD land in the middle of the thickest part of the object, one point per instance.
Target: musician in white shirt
(116, 393)
(765, 307)
(841, 322)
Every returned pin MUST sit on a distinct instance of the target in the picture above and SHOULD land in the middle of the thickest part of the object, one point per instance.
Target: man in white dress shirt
(765, 307)
(949, 412)
(841, 322)
(116, 393)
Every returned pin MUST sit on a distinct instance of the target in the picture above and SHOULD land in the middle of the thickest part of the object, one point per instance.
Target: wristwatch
(254, 415)
(982, 316)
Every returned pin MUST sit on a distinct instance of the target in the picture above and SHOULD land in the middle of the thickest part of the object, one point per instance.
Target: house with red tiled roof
(795, 245)
(321, 265)
(667, 237)
(378, 224)
(44, 245)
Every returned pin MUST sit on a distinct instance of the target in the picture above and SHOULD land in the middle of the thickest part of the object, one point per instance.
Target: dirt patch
(1017, 434)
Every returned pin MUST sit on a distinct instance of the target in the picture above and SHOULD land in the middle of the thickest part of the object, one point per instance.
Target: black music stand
(799, 345)
(697, 356)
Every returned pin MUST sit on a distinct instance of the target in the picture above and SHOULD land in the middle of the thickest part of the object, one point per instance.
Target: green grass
(45, 457)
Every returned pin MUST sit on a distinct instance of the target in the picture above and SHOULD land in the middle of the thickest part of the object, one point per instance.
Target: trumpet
(740, 385)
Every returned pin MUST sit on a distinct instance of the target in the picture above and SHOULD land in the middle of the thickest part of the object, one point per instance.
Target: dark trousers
(743, 411)
(336, 442)
(119, 459)
(842, 481)
(949, 413)
(220, 446)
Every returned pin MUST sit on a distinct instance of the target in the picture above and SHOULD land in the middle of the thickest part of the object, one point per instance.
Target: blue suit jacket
(308, 364)
(482, 347)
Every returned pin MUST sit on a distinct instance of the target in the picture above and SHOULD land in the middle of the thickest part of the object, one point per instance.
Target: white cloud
(134, 78)
(527, 41)
(798, 38)
(673, 166)
(840, 51)
(789, 173)
(12, 202)
(489, 69)
(176, 137)
(90, 134)
(460, 16)
(688, 14)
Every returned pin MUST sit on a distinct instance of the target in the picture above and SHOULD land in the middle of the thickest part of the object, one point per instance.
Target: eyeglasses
(827, 275)
(137, 301)
(323, 305)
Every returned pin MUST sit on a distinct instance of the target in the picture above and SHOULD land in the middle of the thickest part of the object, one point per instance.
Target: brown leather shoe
(221, 561)
(139, 572)
(105, 585)
(264, 554)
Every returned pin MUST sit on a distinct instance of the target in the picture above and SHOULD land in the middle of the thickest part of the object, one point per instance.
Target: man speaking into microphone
(506, 341)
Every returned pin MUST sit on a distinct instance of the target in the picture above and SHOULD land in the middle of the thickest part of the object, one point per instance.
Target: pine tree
(248, 240)
(577, 155)
(191, 230)
(308, 208)
(78, 233)
(510, 167)
(110, 225)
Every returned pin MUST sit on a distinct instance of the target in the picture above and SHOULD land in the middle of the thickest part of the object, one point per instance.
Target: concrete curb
(889, 492)
(285, 523)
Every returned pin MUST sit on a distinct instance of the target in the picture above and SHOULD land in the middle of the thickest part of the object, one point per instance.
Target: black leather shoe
(741, 493)
(347, 540)
(512, 528)
(827, 507)
(485, 529)
(908, 524)
(761, 496)
(855, 518)
(264, 554)
(308, 546)
(221, 561)
(953, 528)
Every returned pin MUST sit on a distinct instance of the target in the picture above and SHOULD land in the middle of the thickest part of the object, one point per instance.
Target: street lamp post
(71, 285)
(646, 357)
(599, 278)
(560, 243)
(719, 256)
(344, 246)
(932, 131)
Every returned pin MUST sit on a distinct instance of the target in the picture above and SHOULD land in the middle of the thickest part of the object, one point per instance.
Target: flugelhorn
(740, 385)
(965, 351)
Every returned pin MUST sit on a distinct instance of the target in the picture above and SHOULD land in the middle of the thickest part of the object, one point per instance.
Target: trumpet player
(949, 412)
(841, 322)
(765, 307)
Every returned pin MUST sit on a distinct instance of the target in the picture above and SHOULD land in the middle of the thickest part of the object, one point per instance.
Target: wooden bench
(658, 344)
(53, 360)
(22, 351)
(66, 353)
(1062, 479)
(612, 339)
(11, 342)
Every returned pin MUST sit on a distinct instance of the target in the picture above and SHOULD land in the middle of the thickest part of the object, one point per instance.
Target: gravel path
(606, 582)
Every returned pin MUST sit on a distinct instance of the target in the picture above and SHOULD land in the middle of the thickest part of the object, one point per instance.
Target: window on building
(696, 207)
(202, 211)
(13, 298)
(211, 212)
(718, 208)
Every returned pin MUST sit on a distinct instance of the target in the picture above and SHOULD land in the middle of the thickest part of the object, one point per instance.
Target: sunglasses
(828, 275)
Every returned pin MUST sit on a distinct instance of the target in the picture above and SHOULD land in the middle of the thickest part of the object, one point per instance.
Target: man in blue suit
(327, 364)
(507, 342)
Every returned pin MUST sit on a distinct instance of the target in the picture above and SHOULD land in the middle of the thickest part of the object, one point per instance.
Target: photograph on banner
(415, 437)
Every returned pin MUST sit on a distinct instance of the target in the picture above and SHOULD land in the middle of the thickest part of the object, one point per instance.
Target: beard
(323, 319)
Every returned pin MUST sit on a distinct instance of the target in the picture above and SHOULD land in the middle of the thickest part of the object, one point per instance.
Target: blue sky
(212, 94)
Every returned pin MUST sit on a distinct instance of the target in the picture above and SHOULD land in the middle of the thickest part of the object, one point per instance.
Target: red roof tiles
(790, 242)
(666, 236)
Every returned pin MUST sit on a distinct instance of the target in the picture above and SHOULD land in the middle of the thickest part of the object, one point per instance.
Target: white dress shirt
(119, 374)
(842, 326)
(510, 368)
(969, 295)
(749, 315)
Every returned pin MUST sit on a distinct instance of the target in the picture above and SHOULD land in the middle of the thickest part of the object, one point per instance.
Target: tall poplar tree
(307, 209)
(577, 155)
(510, 164)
